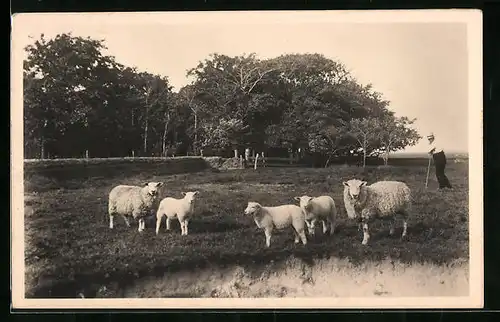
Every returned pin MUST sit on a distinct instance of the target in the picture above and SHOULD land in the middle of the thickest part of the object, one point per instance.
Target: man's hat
(430, 136)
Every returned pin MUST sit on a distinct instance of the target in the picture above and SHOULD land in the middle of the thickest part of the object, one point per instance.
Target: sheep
(381, 199)
(278, 217)
(349, 208)
(134, 201)
(182, 208)
(318, 208)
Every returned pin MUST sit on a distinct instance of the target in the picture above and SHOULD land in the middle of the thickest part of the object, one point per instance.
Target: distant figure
(439, 158)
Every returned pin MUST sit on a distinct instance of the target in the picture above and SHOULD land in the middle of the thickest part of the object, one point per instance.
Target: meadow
(70, 250)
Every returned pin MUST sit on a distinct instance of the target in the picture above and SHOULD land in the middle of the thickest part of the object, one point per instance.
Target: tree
(396, 133)
(328, 141)
(196, 100)
(229, 84)
(366, 132)
(78, 99)
(153, 93)
(223, 133)
(66, 82)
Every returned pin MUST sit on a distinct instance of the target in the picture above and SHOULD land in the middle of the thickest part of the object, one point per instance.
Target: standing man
(439, 158)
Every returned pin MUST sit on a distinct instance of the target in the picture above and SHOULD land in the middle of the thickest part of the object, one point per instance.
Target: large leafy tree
(67, 87)
(77, 99)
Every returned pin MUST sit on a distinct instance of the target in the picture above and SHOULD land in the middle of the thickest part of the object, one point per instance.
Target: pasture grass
(70, 249)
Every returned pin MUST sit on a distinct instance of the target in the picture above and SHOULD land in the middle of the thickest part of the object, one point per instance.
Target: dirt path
(326, 278)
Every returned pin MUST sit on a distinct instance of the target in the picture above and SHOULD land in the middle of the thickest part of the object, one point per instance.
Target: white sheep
(138, 202)
(349, 207)
(320, 208)
(278, 217)
(182, 208)
(383, 198)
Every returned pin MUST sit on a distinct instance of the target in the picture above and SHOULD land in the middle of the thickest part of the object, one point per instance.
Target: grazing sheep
(381, 199)
(318, 208)
(134, 201)
(278, 217)
(183, 209)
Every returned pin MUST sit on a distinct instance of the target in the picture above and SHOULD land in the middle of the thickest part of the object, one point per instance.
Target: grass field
(71, 250)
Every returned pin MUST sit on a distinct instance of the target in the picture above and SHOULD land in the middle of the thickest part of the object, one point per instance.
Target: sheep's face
(304, 202)
(190, 196)
(354, 187)
(252, 208)
(153, 188)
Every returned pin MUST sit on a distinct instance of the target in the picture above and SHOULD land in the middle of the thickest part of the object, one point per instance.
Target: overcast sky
(421, 68)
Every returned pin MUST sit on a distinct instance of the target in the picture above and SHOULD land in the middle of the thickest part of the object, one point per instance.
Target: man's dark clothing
(440, 163)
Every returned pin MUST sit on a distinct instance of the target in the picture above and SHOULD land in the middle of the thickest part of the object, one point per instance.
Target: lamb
(134, 201)
(319, 208)
(278, 217)
(381, 199)
(183, 209)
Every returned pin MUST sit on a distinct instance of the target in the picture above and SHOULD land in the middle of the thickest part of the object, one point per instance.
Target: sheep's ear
(345, 183)
(183, 193)
(196, 192)
(296, 198)
(146, 184)
(159, 184)
(310, 198)
(363, 183)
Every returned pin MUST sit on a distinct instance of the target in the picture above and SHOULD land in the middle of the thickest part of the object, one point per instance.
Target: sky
(420, 67)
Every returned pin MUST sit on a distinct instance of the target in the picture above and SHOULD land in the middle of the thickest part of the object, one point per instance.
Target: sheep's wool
(132, 200)
(384, 198)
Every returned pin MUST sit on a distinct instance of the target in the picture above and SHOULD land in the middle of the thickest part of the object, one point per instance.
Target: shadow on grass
(198, 225)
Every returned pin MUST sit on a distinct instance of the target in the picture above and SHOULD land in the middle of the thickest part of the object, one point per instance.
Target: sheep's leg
(141, 224)
(311, 227)
(186, 224)
(332, 227)
(158, 224)
(303, 237)
(297, 237)
(366, 233)
(393, 224)
(325, 228)
(405, 224)
(111, 217)
(126, 220)
(268, 232)
(183, 227)
(405, 227)
(167, 224)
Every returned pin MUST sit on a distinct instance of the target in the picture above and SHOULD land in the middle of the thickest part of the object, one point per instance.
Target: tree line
(80, 102)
